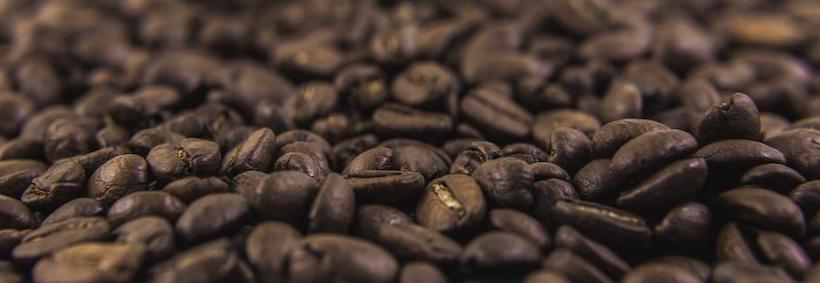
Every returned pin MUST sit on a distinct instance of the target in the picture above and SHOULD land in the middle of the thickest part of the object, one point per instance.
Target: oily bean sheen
(574, 267)
(139, 204)
(499, 252)
(521, 224)
(51, 238)
(77, 207)
(602, 223)
(211, 216)
(333, 208)
(613, 135)
(337, 258)
(254, 153)
(506, 182)
(736, 118)
(778, 177)
(451, 203)
(684, 227)
(783, 252)
(268, 246)
(191, 188)
(283, 196)
(650, 150)
(800, 147)
(764, 209)
(117, 177)
(610, 263)
(16, 175)
(154, 233)
(419, 271)
(738, 155)
(675, 183)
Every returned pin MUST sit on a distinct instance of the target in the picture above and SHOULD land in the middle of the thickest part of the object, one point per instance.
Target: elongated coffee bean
(451, 203)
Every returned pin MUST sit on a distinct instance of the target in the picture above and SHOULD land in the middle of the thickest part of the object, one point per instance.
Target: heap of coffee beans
(379, 141)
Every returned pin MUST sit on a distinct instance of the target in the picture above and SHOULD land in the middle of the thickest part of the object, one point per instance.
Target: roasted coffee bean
(738, 155)
(282, 196)
(548, 191)
(773, 176)
(188, 157)
(297, 161)
(386, 186)
(420, 271)
(10, 238)
(594, 252)
(15, 214)
(473, 155)
(143, 141)
(93, 160)
(211, 216)
(615, 134)
(661, 272)
(66, 138)
(393, 120)
(268, 246)
(496, 116)
(622, 101)
(685, 227)
(117, 177)
(139, 204)
(144, 103)
(521, 224)
(22, 148)
(315, 141)
(78, 207)
(573, 267)
(311, 101)
(112, 135)
(782, 251)
(215, 261)
(364, 85)
(426, 84)
(451, 203)
(56, 186)
(155, 234)
(254, 153)
(546, 170)
(333, 208)
(535, 93)
(597, 180)
(732, 245)
(569, 148)
(347, 150)
(735, 119)
(506, 182)
(499, 252)
(337, 258)
(807, 196)
(526, 152)
(246, 182)
(736, 272)
(191, 188)
(15, 110)
(37, 125)
(651, 150)
(395, 46)
(53, 237)
(409, 158)
(414, 242)
(799, 146)
(546, 122)
(764, 209)
(16, 175)
(675, 183)
(546, 276)
(605, 224)
(91, 262)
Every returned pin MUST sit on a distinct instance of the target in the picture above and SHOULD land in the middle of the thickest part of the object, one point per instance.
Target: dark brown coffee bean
(66, 138)
(782, 251)
(548, 191)
(499, 252)
(117, 177)
(189, 157)
(336, 258)
(191, 188)
(395, 46)
(420, 271)
(496, 116)
(661, 272)
(15, 215)
(215, 261)
(799, 146)
(78, 207)
(426, 84)
(597, 180)
(594, 252)
(473, 155)
(615, 134)
(732, 245)
(685, 227)
(582, 17)
(15, 109)
(51, 238)
(743, 28)
(56, 186)
(651, 150)
(364, 85)
(155, 234)
(414, 242)
(347, 150)
(736, 272)
(211, 216)
(546, 170)
(268, 247)
(16, 175)
(623, 100)
(526, 152)
(735, 119)
(283, 196)
(451, 203)
(393, 120)
(313, 100)
(738, 155)
(37, 125)
(807, 197)
(140, 204)
(22, 148)
(675, 183)
(507, 182)
(386, 186)
(143, 141)
(567, 263)
(569, 148)
(546, 122)
(546, 276)
(254, 153)
(10, 238)
(333, 208)
(764, 209)
(682, 44)
(521, 224)
(91, 262)
(605, 224)
(370, 217)
(773, 176)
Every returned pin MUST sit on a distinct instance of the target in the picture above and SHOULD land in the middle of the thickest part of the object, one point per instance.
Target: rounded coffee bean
(596, 253)
(651, 150)
(17, 174)
(53, 237)
(15, 215)
(254, 153)
(117, 177)
(661, 272)
(268, 246)
(807, 196)
(597, 180)
(773, 176)
(738, 155)
(800, 148)
(66, 138)
(611, 136)
(675, 183)
(575, 268)
(569, 148)
(783, 252)
(333, 208)
(521, 224)
(140, 204)
(211, 216)
(10, 238)
(91, 262)
(764, 209)
(499, 252)
(414, 242)
(526, 152)
(189, 157)
(546, 170)
(57, 185)
(451, 203)
(337, 258)
(191, 188)
(548, 191)
(283, 196)
(420, 271)
(154, 233)
(496, 116)
(393, 187)
(473, 155)
(78, 207)
(614, 227)
(246, 182)
(423, 84)
(370, 217)
(546, 122)
(735, 119)
(685, 227)
(215, 261)
(393, 120)
(506, 182)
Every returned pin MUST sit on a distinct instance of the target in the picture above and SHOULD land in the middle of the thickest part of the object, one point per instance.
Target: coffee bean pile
(359, 141)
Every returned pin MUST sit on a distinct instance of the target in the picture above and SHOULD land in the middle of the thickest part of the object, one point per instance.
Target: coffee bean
(573, 267)
(282, 196)
(189, 157)
(414, 242)
(141, 204)
(569, 148)
(56, 186)
(548, 191)
(53, 237)
(615, 134)
(546, 170)
(521, 224)
(675, 183)
(651, 150)
(16, 175)
(777, 177)
(78, 207)
(426, 85)
(143, 141)
(393, 120)
(91, 262)
(336, 258)
(608, 225)
(211, 216)
(738, 155)
(254, 153)
(526, 152)
(736, 119)
(117, 177)
(395, 46)
(545, 276)
(685, 227)
(784, 252)
(22, 148)
(507, 182)
(189, 189)
(597, 180)
(66, 138)
(297, 161)
(798, 146)
(602, 257)
(732, 245)
(363, 84)
(332, 209)
(473, 155)
(347, 150)
(386, 186)
(420, 271)
(763, 209)
(622, 101)
(499, 252)
(661, 272)
(496, 116)
(155, 234)
(546, 122)
(214, 261)
(268, 247)
(15, 215)
(313, 100)
(731, 272)
(10, 238)
(451, 203)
